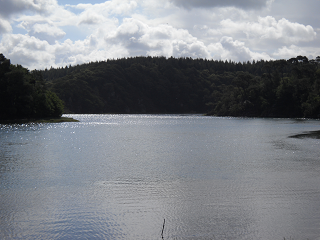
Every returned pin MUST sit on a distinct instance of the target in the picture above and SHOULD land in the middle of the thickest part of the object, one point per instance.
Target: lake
(120, 176)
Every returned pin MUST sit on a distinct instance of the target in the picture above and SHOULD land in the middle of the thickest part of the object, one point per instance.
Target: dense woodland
(23, 94)
(281, 88)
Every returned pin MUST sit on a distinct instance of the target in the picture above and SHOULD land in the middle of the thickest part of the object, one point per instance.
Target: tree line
(280, 88)
(23, 94)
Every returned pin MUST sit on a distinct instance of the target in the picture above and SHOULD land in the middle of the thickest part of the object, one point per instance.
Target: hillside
(23, 94)
(281, 88)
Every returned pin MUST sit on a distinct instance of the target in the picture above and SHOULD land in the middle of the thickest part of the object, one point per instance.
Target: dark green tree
(24, 95)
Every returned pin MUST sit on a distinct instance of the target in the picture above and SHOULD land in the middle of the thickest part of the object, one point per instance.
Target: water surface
(120, 176)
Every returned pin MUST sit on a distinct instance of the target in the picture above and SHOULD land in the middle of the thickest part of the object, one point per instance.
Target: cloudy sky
(39, 34)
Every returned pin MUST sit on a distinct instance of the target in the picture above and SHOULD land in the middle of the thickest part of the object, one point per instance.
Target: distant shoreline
(41, 120)
(311, 134)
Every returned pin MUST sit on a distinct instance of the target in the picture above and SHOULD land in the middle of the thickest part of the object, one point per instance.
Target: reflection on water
(119, 176)
(311, 134)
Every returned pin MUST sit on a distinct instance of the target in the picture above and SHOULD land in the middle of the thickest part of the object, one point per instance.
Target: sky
(39, 34)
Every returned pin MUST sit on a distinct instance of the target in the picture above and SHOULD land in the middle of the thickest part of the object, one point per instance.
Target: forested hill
(281, 88)
(23, 94)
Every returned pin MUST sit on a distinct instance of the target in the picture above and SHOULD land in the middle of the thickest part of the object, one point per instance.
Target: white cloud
(293, 51)
(267, 28)
(25, 50)
(246, 4)
(47, 32)
(9, 7)
(32, 52)
(229, 49)
(47, 26)
(115, 7)
(57, 15)
(164, 40)
(90, 17)
(5, 26)
(289, 52)
(72, 34)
